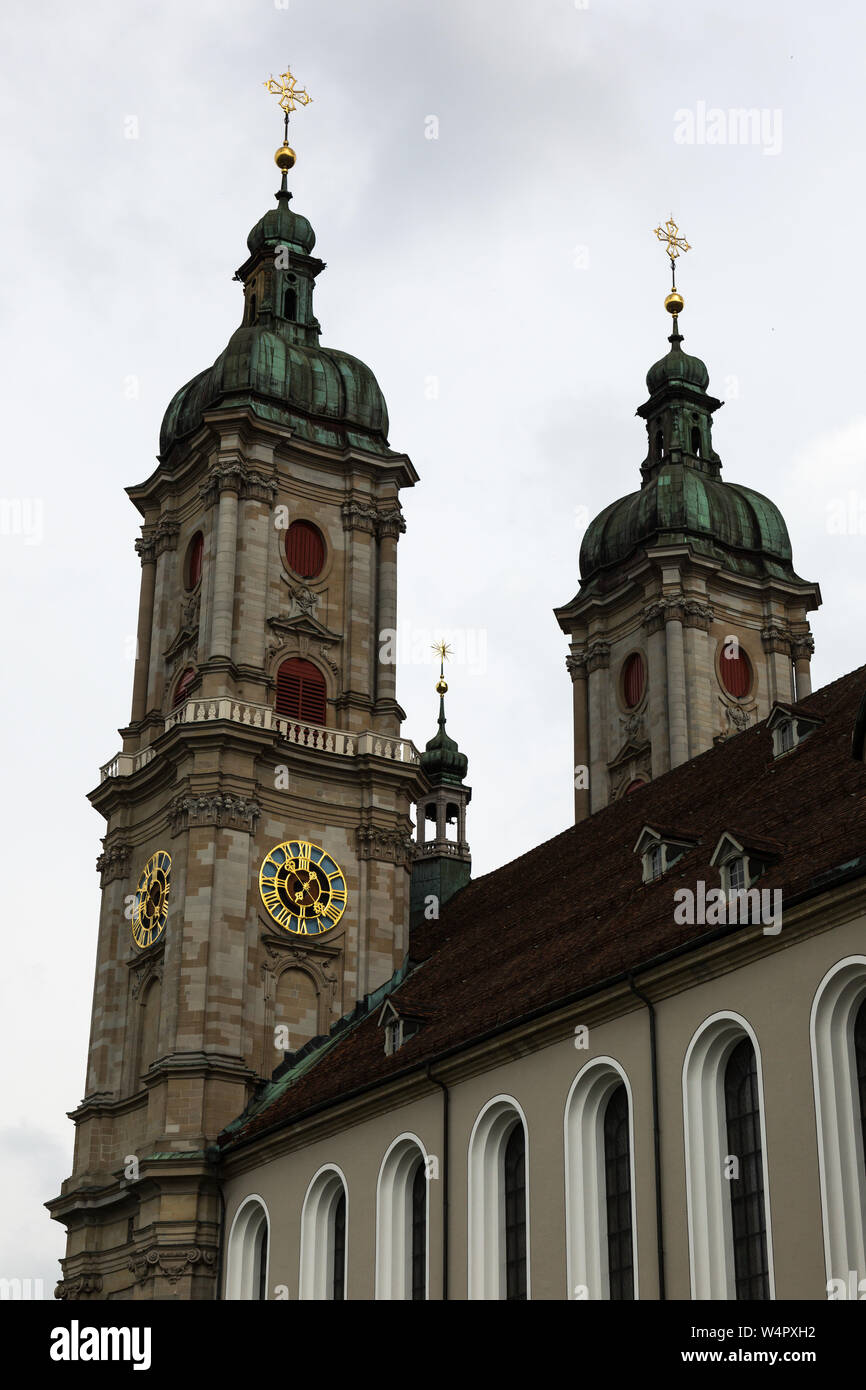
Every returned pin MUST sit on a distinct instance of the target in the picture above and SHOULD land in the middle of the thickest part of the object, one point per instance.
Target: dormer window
(740, 863)
(399, 1028)
(735, 874)
(659, 851)
(788, 729)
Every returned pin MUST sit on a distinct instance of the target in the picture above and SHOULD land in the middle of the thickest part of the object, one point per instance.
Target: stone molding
(216, 808)
(114, 861)
(170, 1264)
(147, 966)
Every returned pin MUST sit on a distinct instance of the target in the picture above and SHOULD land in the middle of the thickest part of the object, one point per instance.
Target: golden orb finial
(676, 244)
(291, 97)
(443, 651)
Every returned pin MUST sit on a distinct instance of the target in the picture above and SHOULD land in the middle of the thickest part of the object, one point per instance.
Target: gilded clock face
(303, 888)
(150, 905)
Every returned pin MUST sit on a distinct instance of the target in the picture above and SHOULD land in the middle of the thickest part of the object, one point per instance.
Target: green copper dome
(282, 227)
(677, 367)
(442, 760)
(725, 521)
(683, 499)
(274, 363)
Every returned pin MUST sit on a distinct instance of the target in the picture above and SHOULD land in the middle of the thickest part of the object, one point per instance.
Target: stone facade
(184, 1031)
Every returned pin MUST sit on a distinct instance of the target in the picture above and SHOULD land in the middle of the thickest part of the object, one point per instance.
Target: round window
(736, 671)
(633, 680)
(305, 549)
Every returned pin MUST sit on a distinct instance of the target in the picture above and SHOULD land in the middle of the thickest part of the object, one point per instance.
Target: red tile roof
(573, 913)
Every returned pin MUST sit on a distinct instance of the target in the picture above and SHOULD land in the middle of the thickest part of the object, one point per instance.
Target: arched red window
(736, 672)
(183, 686)
(633, 680)
(194, 553)
(301, 691)
(305, 549)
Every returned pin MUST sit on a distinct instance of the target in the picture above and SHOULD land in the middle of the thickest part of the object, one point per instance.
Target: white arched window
(730, 1241)
(247, 1264)
(601, 1226)
(499, 1202)
(838, 1032)
(324, 1236)
(402, 1206)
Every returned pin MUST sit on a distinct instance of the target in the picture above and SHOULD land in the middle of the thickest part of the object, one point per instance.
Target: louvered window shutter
(301, 691)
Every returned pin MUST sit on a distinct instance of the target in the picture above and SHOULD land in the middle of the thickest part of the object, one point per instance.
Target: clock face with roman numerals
(303, 888)
(150, 904)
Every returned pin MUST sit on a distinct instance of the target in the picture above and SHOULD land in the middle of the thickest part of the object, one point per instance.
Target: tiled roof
(573, 913)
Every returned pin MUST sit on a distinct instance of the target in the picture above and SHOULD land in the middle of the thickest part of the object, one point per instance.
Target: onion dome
(274, 363)
(683, 499)
(442, 760)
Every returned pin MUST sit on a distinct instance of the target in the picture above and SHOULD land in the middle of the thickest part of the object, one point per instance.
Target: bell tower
(256, 863)
(690, 620)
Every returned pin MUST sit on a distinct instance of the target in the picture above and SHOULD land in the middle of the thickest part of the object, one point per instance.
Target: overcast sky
(503, 283)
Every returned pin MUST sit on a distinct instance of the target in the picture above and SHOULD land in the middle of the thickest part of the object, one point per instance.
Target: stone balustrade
(197, 711)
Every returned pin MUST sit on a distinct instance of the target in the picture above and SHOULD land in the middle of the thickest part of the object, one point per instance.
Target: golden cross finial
(286, 86)
(675, 242)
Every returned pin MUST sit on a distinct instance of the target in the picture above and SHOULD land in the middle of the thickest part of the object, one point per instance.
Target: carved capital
(113, 862)
(145, 549)
(698, 615)
(575, 663)
(165, 535)
(776, 637)
(216, 808)
(597, 656)
(802, 646)
(390, 522)
(376, 842)
(359, 516)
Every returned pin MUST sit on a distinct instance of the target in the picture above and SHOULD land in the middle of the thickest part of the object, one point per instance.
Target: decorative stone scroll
(170, 1264)
(82, 1286)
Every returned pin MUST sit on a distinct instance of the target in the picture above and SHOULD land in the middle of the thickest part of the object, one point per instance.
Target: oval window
(194, 556)
(305, 549)
(633, 680)
(736, 672)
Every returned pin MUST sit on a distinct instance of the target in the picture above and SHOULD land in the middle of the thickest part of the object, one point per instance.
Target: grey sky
(511, 260)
